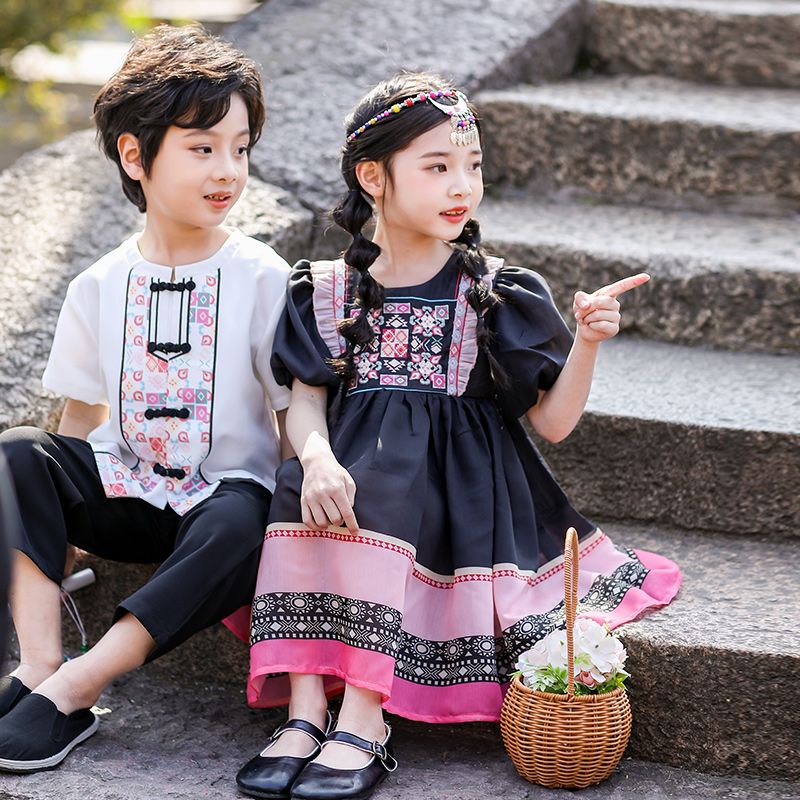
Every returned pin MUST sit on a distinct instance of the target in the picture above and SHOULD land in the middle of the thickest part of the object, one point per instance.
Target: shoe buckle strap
(388, 761)
(303, 726)
(375, 748)
(276, 733)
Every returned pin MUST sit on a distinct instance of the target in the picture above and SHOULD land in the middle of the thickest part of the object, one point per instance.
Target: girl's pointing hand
(598, 314)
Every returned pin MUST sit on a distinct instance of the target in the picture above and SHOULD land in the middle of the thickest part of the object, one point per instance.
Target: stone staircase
(602, 160)
(692, 430)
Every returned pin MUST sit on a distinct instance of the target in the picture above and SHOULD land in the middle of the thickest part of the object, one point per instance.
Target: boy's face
(198, 174)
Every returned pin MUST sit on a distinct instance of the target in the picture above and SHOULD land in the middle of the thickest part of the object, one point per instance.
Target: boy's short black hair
(173, 76)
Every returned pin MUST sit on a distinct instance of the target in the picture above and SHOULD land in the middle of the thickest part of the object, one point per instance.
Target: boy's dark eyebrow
(209, 132)
(445, 155)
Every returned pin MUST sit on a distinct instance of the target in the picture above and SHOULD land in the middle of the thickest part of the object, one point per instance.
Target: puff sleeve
(73, 369)
(299, 350)
(530, 339)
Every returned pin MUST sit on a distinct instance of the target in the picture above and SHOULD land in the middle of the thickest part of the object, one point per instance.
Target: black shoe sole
(263, 795)
(367, 793)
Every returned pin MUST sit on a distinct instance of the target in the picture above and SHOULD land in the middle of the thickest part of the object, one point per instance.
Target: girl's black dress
(457, 565)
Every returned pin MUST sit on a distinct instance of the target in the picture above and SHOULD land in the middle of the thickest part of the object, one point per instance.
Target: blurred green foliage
(32, 113)
(23, 22)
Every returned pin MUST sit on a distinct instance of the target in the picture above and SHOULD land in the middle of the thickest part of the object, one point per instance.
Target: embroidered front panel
(166, 398)
(420, 345)
(411, 348)
(377, 627)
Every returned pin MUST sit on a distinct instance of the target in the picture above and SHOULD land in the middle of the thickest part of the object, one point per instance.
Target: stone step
(746, 42)
(347, 47)
(688, 436)
(648, 139)
(728, 281)
(159, 741)
(711, 673)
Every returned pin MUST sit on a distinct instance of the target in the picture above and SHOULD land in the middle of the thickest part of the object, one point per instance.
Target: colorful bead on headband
(462, 120)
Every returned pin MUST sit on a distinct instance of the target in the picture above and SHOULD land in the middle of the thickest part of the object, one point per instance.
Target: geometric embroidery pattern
(376, 627)
(184, 381)
(410, 349)
(402, 357)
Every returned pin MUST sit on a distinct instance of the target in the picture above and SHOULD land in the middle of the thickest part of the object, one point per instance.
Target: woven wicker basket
(560, 740)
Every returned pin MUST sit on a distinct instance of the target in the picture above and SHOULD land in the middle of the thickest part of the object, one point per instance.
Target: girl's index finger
(349, 517)
(624, 285)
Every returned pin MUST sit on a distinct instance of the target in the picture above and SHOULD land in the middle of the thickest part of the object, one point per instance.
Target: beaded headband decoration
(464, 131)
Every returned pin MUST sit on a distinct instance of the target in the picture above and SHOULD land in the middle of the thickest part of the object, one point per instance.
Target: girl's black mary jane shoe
(271, 777)
(318, 782)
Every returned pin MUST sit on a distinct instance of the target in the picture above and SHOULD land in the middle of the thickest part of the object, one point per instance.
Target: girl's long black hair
(379, 143)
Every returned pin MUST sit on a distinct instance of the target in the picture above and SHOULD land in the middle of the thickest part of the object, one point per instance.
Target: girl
(414, 546)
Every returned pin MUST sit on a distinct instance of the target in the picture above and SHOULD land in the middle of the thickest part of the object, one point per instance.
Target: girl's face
(435, 186)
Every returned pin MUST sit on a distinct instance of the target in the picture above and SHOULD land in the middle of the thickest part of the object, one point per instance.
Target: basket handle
(571, 602)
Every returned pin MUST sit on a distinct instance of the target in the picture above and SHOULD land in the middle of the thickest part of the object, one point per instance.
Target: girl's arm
(286, 446)
(80, 419)
(328, 490)
(557, 413)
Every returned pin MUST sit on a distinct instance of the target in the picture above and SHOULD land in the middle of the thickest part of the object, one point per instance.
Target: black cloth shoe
(318, 782)
(35, 735)
(272, 776)
(12, 690)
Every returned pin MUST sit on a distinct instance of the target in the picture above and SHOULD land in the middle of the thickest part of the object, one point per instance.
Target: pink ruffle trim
(329, 278)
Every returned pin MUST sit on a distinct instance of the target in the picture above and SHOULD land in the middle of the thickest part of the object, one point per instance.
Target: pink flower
(587, 679)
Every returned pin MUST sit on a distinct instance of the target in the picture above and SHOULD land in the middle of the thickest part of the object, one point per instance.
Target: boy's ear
(372, 177)
(130, 156)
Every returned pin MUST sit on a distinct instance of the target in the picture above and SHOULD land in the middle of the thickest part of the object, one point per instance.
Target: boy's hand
(328, 494)
(598, 313)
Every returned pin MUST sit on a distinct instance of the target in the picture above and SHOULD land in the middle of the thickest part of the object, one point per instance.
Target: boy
(167, 449)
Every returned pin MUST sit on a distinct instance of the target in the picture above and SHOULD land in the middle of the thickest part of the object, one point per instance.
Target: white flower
(556, 643)
(535, 657)
(552, 651)
(598, 657)
(603, 649)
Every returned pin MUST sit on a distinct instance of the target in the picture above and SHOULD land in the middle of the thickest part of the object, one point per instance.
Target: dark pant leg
(60, 499)
(8, 536)
(211, 572)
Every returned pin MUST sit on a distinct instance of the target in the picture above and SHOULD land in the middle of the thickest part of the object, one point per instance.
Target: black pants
(209, 555)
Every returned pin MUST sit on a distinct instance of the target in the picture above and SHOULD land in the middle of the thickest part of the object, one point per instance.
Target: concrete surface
(648, 139)
(320, 56)
(687, 436)
(722, 280)
(158, 742)
(713, 674)
(748, 42)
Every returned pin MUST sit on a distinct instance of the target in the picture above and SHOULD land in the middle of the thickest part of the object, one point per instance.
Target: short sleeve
(73, 369)
(279, 395)
(530, 339)
(299, 350)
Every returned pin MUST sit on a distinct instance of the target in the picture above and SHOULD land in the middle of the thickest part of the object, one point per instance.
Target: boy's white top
(182, 362)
